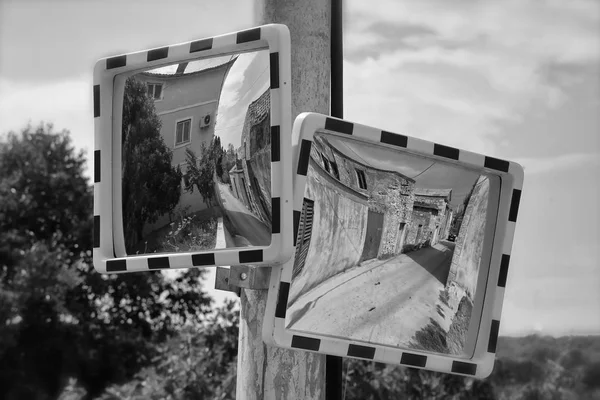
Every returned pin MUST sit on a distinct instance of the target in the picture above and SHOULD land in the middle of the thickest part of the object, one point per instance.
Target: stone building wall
(393, 195)
(447, 223)
(338, 231)
(469, 243)
(389, 193)
(421, 217)
(256, 157)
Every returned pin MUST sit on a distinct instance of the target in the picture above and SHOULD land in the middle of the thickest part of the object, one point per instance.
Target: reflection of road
(250, 230)
(381, 301)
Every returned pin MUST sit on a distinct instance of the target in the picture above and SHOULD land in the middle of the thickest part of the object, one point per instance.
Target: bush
(188, 233)
(573, 359)
(543, 354)
(591, 375)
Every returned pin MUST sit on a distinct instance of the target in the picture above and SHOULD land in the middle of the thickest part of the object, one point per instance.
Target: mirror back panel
(401, 247)
(191, 141)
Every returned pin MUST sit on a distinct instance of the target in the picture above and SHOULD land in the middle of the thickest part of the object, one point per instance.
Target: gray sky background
(514, 79)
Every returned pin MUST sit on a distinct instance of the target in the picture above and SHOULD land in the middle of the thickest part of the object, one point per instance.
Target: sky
(513, 79)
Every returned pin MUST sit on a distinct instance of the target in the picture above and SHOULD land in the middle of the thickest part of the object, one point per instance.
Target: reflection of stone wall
(258, 169)
(469, 243)
(393, 195)
(338, 231)
(256, 158)
(431, 210)
(447, 223)
(389, 193)
(424, 218)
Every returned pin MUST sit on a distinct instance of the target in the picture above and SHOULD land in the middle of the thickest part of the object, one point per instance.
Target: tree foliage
(201, 173)
(142, 336)
(58, 317)
(199, 363)
(374, 381)
(211, 164)
(151, 186)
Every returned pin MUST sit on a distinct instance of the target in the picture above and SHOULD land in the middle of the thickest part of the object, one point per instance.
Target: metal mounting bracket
(234, 278)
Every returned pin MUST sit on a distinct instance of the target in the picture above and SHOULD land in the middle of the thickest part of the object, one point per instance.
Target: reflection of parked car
(452, 237)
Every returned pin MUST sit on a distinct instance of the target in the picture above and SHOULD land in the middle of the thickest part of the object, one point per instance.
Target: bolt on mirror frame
(108, 248)
(481, 363)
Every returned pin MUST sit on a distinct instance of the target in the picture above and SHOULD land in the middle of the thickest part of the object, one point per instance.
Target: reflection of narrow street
(381, 301)
(249, 230)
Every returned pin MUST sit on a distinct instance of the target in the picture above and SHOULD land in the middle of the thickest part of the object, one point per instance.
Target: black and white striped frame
(109, 249)
(480, 365)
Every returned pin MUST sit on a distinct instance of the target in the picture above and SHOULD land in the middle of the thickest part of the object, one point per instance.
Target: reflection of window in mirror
(182, 132)
(155, 90)
(362, 181)
(335, 170)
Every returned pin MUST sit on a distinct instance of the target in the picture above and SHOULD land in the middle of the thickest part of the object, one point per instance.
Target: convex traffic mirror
(400, 249)
(191, 144)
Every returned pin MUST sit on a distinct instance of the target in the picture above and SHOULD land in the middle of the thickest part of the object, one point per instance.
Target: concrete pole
(264, 372)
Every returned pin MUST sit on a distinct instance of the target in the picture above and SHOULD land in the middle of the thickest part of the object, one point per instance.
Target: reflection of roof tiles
(261, 106)
(433, 192)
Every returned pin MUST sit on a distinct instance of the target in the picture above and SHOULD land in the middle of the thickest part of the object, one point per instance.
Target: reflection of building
(469, 242)
(352, 212)
(186, 102)
(251, 176)
(431, 217)
(389, 198)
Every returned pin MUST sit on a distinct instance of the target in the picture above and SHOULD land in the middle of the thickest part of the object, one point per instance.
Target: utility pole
(264, 372)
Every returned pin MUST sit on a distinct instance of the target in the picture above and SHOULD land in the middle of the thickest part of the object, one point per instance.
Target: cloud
(456, 73)
(544, 165)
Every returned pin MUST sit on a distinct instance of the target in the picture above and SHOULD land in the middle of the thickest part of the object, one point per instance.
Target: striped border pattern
(273, 38)
(481, 364)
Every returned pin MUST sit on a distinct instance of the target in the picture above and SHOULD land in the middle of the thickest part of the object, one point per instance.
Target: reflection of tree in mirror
(210, 165)
(201, 172)
(151, 185)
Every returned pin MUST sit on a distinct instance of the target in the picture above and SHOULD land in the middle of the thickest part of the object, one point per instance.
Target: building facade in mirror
(389, 247)
(251, 176)
(186, 101)
(431, 217)
(364, 209)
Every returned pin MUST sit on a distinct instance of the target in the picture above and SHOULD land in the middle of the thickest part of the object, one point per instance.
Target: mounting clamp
(234, 278)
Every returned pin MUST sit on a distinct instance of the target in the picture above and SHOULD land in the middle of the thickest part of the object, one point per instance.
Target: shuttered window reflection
(304, 235)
